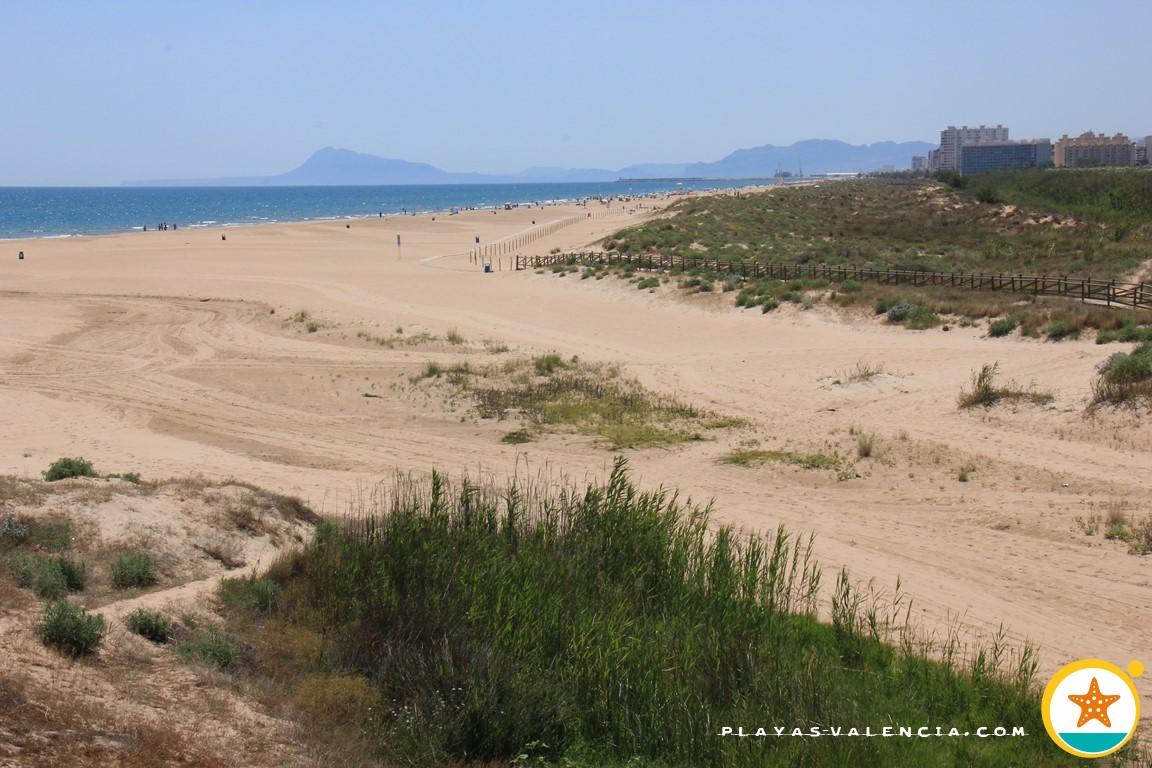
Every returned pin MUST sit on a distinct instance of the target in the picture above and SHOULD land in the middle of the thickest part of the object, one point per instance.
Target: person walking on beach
(21, 256)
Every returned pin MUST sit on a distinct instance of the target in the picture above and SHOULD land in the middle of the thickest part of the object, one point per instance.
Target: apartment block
(1090, 149)
(952, 138)
(1004, 155)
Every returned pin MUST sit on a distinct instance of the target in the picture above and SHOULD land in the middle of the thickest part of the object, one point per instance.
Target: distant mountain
(331, 167)
(812, 156)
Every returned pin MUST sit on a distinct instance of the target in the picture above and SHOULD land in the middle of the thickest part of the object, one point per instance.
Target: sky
(100, 92)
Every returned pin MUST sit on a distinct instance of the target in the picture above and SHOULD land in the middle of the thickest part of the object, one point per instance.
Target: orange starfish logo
(1093, 705)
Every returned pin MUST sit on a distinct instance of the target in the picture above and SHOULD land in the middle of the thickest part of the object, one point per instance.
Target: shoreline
(414, 213)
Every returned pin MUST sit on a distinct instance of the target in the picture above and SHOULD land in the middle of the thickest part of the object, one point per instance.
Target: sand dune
(170, 353)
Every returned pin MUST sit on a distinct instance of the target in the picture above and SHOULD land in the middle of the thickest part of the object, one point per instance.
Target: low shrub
(74, 572)
(52, 533)
(1129, 369)
(48, 577)
(49, 582)
(1141, 333)
(70, 629)
(151, 625)
(1002, 327)
(212, 645)
(898, 313)
(988, 195)
(518, 437)
(1058, 330)
(133, 569)
(882, 306)
(1124, 378)
(754, 457)
(548, 364)
(13, 530)
(260, 595)
(61, 469)
(1140, 538)
(922, 318)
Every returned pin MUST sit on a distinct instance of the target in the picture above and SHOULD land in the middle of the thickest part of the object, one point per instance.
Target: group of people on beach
(162, 227)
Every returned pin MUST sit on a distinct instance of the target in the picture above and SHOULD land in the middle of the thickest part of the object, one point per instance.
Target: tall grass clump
(984, 391)
(609, 625)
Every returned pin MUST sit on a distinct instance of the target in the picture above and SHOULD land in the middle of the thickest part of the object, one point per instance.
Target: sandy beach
(174, 353)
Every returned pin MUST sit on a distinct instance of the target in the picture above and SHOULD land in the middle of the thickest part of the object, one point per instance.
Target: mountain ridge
(332, 166)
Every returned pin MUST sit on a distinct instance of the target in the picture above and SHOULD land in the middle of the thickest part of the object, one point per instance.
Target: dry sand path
(157, 353)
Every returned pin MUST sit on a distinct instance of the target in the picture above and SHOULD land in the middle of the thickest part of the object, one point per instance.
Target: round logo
(1091, 707)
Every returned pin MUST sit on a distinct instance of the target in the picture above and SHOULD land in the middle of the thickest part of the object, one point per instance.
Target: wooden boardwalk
(1086, 289)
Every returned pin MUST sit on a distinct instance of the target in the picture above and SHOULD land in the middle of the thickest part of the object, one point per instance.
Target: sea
(33, 212)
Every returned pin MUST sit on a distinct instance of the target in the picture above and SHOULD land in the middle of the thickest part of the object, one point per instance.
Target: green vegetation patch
(1003, 326)
(48, 577)
(36, 533)
(609, 626)
(1129, 332)
(1118, 197)
(133, 569)
(1124, 378)
(1082, 223)
(517, 437)
(748, 457)
(984, 391)
(210, 644)
(1120, 525)
(550, 393)
(252, 594)
(70, 629)
(1093, 223)
(65, 468)
(151, 625)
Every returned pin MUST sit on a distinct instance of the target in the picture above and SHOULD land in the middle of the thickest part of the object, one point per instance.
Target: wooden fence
(1108, 292)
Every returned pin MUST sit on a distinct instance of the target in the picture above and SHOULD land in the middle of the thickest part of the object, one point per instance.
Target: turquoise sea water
(64, 211)
(1093, 742)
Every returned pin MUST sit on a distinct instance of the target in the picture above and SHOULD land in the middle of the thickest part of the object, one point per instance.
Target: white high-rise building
(952, 138)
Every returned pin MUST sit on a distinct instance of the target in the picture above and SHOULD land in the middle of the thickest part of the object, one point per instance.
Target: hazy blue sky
(96, 92)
